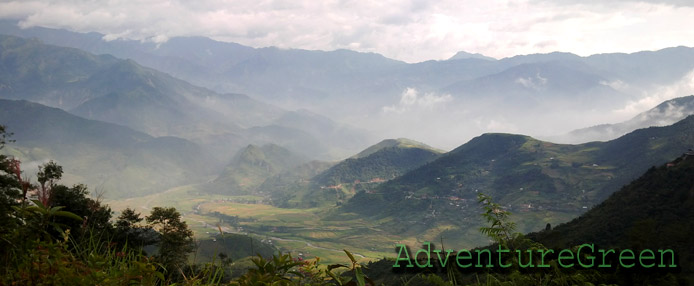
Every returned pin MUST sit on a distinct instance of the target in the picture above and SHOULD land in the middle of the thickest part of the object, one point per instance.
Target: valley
(291, 230)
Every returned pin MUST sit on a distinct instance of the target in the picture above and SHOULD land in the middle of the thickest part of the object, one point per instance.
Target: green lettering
(643, 257)
(672, 258)
(530, 259)
(604, 254)
(428, 253)
(542, 261)
(458, 258)
(403, 248)
(623, 257)
(501, 261)
(443, 262)
(590, 257)
(479, 258)
(562, 256)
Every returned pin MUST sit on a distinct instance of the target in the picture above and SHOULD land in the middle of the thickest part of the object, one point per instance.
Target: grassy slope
(541, 181)
(362, 172)
(251, 166)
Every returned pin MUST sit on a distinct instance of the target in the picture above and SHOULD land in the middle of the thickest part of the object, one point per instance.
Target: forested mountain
(364, 171)
(656, 211)
(251, 166)
(384, 161)
(107, 157)
(542, 181)
(288, 180)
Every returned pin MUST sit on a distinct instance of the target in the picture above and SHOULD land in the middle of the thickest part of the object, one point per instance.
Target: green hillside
(541, 181)
(107, 157)
(251, 166)
(383, 161)
(656, 211)
(286, 189)
(399, 143)
(377, 164)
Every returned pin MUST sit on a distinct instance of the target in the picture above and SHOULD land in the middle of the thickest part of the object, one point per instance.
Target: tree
(176, 240)
(49, 173)
(129, 231)
(76, 200)
(10, 187)
(501, 229)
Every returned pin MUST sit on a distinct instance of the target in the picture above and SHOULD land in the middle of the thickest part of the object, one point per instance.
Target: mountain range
(123, 92)
(519, 94)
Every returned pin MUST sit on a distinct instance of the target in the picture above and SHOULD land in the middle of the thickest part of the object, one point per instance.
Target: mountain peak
(399, 143)
(462, 55)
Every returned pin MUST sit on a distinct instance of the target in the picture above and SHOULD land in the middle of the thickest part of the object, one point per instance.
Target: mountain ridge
(114, 158)
(545, 182)
(665, 113)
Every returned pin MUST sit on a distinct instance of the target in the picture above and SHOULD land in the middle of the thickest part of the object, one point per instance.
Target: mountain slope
(377, 164)
(107, 89)
(462, 55)
(123, 92)
(656, 211)
(112, 158)
(551, 84)
(384, 161)
(251, 166)
(544, 182)
(335, 139)
(484, 95)
(401, 143)
(666, 113)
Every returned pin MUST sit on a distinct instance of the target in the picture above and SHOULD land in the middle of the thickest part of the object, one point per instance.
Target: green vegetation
(64, 237)
(542, 182)
(362, 172)
(656, 211)
(251, 166)
(283, 180)
(385, 164)
(401, 143)
(45, 241)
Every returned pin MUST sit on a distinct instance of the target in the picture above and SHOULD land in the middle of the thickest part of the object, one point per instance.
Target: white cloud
(617, 85)
(410, 30)
(683, 87)
(410, 99)
(537, 82)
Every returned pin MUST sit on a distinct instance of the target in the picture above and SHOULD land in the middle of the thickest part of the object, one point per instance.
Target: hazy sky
(412, 31)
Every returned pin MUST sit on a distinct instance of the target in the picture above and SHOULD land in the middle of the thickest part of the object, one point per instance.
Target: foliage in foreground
(66, 238)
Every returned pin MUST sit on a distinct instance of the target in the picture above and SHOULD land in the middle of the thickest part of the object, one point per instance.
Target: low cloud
(683, 87)
(617, 85)
(411, 99)
(537, 83)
